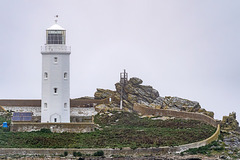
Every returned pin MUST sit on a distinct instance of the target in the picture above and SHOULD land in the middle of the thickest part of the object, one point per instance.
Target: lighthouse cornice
(55, 53)
(55, 48)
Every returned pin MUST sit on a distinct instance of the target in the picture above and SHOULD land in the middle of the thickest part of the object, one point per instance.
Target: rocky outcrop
(103, 93)
(229, 122)
(232, 140)
(134, 92)
(177, 103)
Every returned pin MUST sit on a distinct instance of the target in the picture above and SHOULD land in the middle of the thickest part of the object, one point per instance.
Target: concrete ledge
(107, 151)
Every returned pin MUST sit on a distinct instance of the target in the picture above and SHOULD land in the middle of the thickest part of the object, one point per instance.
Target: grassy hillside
(117, 130)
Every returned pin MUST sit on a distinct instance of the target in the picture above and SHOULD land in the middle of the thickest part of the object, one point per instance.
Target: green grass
(122, 129)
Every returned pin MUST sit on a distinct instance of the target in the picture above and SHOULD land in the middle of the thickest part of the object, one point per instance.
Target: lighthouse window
(45, 105)
(65, 75)
(45, 75)
(55, 90)
(65, 105)
(55, 59)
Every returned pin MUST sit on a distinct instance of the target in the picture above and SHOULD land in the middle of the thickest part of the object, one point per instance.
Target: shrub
(181, 154)
(45, 130)
(98, 153)
(77, 154)
(134, 146)
(220, 137)
(65, 153)
(6, 129)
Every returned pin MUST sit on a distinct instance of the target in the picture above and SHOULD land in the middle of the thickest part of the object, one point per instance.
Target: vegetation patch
(77, 154)
(216, 148)
(206, 150)
(117, 130)
(99, 153)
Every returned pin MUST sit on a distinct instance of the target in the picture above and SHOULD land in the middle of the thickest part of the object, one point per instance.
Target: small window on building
(65, 105)
(65, 75)
(45, 75)
(55, 59)
(55, 119)
(45, 105)
(55, 90)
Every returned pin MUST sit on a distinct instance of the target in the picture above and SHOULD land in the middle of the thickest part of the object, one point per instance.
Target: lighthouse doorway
(55, 118)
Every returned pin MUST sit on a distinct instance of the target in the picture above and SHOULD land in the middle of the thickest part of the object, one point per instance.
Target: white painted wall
(55, 70)
(74, 111)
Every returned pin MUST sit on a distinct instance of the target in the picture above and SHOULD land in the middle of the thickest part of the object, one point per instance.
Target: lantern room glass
(56, 37)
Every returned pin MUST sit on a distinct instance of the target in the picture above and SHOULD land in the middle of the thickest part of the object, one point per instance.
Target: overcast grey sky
(184, 48)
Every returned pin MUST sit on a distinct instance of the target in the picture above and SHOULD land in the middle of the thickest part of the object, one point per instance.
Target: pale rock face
(102, 107)
(177, 102)
(103, 93)
(134, 92)
(135, 81)
(132, 98)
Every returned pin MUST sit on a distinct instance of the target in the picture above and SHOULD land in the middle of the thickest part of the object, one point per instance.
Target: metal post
(121, 97)
(123, 81)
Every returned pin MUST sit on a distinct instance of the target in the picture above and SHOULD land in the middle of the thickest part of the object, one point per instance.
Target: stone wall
(185, 147)
(74, 111)
(81, 119)
(72, 118)
(36, 110)
(107, 151)
(142, 109)
(54, 127)
(82, 111)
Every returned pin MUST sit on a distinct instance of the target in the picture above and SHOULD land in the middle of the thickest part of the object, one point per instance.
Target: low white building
(80, 110)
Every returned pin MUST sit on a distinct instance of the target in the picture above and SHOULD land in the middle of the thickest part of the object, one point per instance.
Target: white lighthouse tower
(55, 105)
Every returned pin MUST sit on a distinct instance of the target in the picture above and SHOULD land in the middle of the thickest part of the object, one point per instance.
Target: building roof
(55, 27)
(37, 102)
(20, 102)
